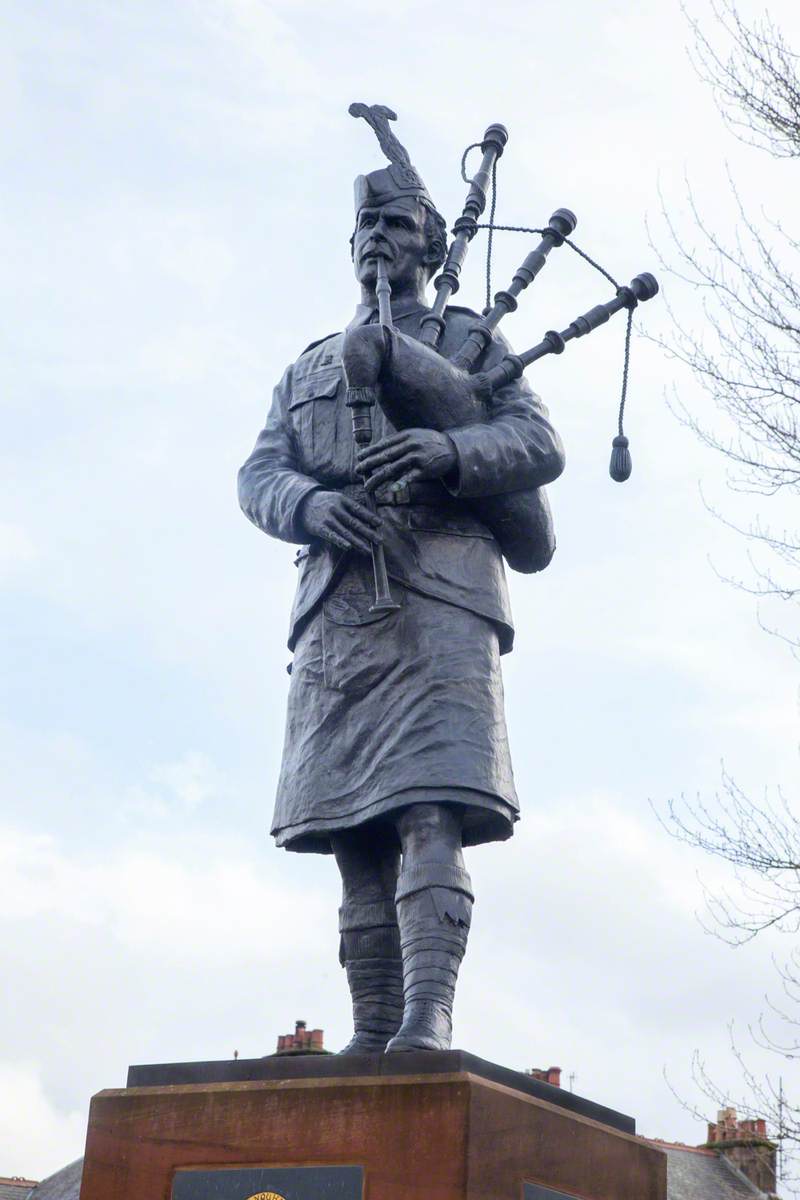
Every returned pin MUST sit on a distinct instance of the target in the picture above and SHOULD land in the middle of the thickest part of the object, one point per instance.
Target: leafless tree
(755, 79)
(747, 357)
(746, 354)
(761, 841)
(759, 1096)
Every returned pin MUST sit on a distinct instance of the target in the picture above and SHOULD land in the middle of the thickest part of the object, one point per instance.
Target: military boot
(369, 950)
(434, 908)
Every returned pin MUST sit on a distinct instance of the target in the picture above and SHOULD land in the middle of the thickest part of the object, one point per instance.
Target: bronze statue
(406, 456)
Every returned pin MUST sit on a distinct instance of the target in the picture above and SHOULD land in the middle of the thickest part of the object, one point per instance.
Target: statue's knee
(430, 830)
(368, 865)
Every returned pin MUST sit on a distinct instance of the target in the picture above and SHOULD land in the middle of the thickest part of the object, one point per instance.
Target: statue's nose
(380, 236)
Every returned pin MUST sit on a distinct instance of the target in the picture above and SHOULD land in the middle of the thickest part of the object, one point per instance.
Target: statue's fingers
(359, 532)
(386, 474)
(392, 439)
(351, 541)
(380, 453)
(362, 512)
(337, 539)
(378, 478)
(368, 465)
(364, 535)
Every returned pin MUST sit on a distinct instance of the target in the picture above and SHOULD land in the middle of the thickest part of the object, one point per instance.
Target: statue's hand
(407, 456)
(341, 520)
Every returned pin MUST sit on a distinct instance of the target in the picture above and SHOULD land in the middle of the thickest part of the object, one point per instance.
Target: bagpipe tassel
(620, 466)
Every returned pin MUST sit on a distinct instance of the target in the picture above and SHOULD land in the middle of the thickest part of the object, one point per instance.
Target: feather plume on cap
(400, 178)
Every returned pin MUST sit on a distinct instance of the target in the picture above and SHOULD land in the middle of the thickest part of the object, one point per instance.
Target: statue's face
(398, 230)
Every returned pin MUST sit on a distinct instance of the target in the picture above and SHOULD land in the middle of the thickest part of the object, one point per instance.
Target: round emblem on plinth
(266, 1196)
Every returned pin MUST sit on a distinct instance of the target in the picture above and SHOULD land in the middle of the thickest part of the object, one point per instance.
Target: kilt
(387, 710)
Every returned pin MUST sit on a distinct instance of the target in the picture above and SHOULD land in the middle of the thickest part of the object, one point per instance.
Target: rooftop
(64, 1185)
(699, 1174)
(14, 1188)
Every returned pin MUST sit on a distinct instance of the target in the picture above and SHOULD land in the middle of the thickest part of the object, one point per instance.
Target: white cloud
(36, 1136)
(585, 923)
(193, 353)
(149, 900)
(260, 32)
(176, 243)
(192, 779)
(17, 548)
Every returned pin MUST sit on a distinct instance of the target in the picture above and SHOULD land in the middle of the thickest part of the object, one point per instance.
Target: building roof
(697, 1174)
(64, 1185)
(14, 1188)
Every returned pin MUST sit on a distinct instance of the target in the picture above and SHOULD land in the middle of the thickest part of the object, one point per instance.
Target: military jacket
(440, 549)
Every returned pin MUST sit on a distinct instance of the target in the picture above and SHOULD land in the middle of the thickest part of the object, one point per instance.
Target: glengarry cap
(400, 178)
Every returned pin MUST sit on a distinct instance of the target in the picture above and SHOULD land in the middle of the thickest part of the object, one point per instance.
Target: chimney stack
(745, 1144)
(550, 1075)
(302, 1041)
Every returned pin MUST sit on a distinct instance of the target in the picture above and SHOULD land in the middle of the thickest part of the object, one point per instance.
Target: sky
(175, 208)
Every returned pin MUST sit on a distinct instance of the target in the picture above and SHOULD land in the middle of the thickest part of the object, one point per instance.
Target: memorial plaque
(269, 1183)
(534, 1191)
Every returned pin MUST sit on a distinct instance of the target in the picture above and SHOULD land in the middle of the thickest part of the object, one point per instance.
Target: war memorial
(406, 457)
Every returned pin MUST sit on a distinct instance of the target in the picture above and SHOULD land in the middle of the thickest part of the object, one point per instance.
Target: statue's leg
(434, 907)
(369, 947)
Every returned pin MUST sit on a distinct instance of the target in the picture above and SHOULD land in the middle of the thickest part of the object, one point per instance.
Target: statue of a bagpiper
(407, 457)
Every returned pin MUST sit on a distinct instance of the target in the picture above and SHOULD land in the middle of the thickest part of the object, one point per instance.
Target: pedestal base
(452, 1135)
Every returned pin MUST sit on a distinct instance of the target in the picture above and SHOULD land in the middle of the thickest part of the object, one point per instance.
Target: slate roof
(15, 1189)
(704, 1175)
(64, 1185)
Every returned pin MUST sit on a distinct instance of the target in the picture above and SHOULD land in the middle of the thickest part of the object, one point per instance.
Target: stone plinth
(437, 1135)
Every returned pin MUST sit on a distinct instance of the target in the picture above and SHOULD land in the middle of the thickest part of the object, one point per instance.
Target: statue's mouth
(376, 250)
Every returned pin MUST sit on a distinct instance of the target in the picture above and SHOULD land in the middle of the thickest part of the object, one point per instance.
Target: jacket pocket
(360, 648)
(321, 425)
(316, 385)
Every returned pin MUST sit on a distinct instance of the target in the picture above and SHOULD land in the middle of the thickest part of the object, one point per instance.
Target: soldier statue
(396, 753)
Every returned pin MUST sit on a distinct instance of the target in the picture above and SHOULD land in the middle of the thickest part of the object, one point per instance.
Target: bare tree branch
(756, 83)
(745, 354)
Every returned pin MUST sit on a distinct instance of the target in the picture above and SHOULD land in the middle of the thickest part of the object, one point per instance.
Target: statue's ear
(435, 252)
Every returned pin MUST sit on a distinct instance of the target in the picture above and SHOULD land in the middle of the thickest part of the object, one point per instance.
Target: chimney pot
(745, 1144)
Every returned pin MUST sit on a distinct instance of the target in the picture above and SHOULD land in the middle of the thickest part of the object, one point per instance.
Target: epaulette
(457, 308)
(318, 342)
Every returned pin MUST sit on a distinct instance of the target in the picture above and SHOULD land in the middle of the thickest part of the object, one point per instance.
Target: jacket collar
(403, 308)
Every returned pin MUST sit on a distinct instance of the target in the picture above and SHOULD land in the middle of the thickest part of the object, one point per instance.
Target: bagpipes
(417, 387)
